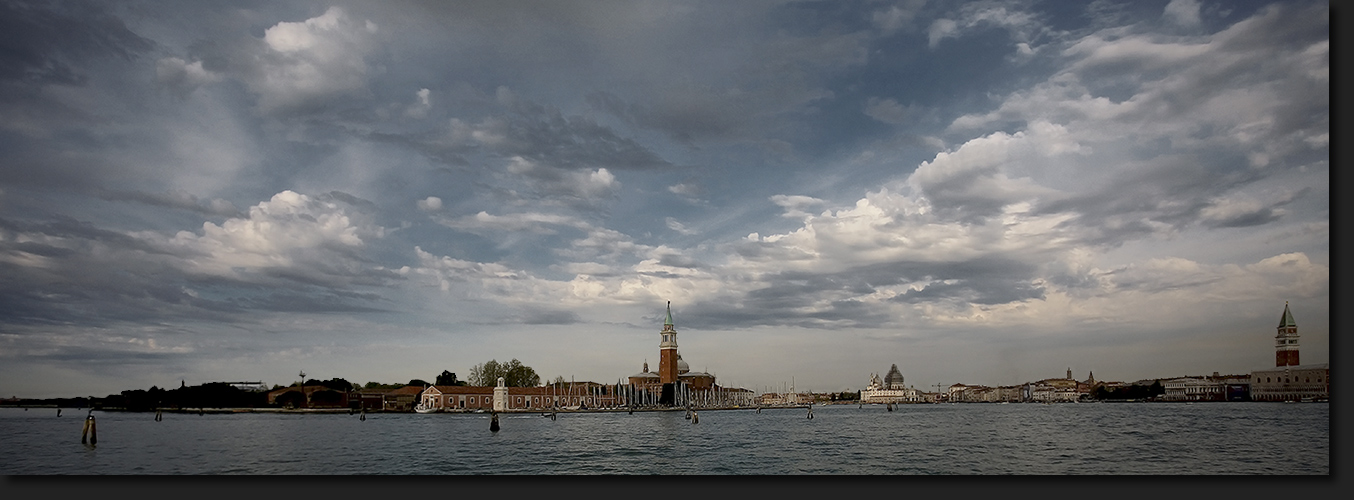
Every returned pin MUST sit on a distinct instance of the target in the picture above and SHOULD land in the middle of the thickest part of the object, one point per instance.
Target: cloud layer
(983, 192)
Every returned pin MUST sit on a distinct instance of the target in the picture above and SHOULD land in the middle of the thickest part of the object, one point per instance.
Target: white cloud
(896, 17)
(430, 204)
(289, 231)
(679, 227)
(887, 110)
(320, 57)
(576, 187)
(940, 30)
(182, 76)
(420, 108)
(688, 189)
(533, 222)
(1022, 26)
(992, 171)
(796, 206)
(1182, 12)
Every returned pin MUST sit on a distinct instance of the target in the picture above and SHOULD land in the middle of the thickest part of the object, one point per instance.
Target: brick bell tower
(1286, 342)
(667, 351)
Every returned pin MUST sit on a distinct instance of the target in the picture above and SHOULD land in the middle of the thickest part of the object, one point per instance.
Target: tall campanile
(667, 351)
(1286, 342)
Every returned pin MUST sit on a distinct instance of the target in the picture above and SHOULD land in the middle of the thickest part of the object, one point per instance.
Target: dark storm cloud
(688, 117)
(1171, 190)
(679, 260)
(63, 271)
(175, 199)
(1221, 215)
(989, 292)
(47, 42)
(839, 314)
(322, 301)
(362, 205)
(99, 355)
(243, 180)
(542, 133)
(547, 317)
(834, 300)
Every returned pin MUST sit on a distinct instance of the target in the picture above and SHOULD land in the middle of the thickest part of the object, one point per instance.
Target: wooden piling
(90, 434)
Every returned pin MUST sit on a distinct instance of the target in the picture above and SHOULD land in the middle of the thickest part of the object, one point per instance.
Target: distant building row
(1287, 381)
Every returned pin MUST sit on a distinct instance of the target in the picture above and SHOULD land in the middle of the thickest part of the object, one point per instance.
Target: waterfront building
(1288, 380)
(674, 383)
(334, 399)
(894, 379)
(646, 388)
(1192, 389)
(577, 395)
(955, 393)
(889, 390)
(1052, 390)
(249, 386)
(1291, 383)
(646, 379)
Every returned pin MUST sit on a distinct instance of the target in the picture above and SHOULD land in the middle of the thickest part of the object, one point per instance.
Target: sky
(988, 192)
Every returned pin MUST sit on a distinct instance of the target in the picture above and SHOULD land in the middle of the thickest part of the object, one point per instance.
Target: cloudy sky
(985, 192)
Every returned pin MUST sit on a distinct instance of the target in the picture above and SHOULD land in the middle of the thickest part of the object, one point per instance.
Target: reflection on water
(1023, 439)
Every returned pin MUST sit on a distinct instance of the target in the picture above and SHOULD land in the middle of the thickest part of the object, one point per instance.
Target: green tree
(1156, 389)
(448, 378)
(418, 382)
(514, 373)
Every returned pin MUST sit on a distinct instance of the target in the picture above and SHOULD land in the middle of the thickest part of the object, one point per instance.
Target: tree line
(225, 395)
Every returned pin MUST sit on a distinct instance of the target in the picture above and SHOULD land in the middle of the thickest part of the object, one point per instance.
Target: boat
(424, 409)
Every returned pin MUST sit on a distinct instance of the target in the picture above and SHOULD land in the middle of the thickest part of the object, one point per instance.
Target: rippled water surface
(991, 439)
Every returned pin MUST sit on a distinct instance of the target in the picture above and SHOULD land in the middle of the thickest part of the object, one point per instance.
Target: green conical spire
(668, 322)
(1287, 319)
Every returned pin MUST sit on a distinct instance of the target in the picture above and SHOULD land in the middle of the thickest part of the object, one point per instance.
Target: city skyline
(985, 192)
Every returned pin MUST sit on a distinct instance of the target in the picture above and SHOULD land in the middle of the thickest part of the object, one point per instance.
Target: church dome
(682, 367)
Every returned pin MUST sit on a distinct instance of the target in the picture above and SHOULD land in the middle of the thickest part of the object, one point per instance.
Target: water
(984, 439)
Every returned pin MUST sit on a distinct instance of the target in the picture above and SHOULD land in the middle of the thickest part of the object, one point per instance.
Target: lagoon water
(970, 439)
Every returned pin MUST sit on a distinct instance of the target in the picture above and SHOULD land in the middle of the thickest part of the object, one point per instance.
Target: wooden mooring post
(90, 434)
